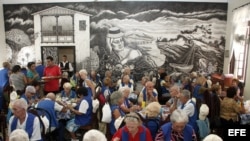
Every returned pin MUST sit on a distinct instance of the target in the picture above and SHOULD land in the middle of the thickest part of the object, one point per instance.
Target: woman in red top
(133, 130)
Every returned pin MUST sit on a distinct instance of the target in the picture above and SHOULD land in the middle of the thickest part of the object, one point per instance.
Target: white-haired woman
(19, 135)
(85, 82)
(67, 92)
(116, 100)
(133, 130)
(177, 129)
(94, 135)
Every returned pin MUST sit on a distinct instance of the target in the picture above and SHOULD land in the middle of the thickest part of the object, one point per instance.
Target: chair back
(40, 113)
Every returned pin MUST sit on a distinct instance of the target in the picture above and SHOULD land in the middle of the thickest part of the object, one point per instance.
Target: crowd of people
(195, 107)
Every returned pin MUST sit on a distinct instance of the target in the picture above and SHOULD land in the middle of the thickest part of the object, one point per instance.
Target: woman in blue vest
(67, 92)
(116, 100)
(82, 111)
(177, 129)
(85, 82)
(133, 130)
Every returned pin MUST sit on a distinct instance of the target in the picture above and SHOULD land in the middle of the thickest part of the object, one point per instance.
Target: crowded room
(124, 70)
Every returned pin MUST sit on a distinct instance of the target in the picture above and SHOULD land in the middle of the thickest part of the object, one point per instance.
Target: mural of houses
(60, 31)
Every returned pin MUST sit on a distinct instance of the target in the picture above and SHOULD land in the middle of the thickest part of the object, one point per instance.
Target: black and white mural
(180, 36)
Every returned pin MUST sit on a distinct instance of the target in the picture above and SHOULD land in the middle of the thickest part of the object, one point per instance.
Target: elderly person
(67, 92)
(127, 106)
(52, 107)
(82, 111)
(174, 101)
(177, 129)
(19, 135)
(87, 83)
(116, 100)
(148, 94)
(152, 117)
(23, 120)
(94, 135)
(133, 130)
(29, 94)
(189, 107)
(125, 82)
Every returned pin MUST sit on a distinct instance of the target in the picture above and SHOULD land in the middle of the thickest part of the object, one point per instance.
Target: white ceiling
(56, 1)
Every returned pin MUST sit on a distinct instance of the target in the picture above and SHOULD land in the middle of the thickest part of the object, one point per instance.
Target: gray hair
(19, 135)
(175, 87)
(186, 93)
(21, 103)
(115, 97)
(83, 71)
(132, 117)
(94, 135)
(179, 115)
(67, 85)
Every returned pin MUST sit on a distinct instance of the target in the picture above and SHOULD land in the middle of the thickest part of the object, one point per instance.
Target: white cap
(204, 110)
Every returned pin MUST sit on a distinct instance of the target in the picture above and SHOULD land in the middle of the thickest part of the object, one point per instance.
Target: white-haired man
(23, 120)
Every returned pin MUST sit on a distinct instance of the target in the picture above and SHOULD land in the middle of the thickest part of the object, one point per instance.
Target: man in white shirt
(66, 66)
(23, 120)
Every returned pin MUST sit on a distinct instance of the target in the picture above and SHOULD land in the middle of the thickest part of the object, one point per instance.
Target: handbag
(101, 99)
(106, 113)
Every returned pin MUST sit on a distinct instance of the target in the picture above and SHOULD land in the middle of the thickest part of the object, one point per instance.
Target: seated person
(177, 129)
(174, 100)
(152, 118)
(165, 86)
(82, 111)
(148, 94)
(19, 135)
(125, 82)
(127, 106)
(133, 130)
(67, 92)
(94, 135)
(30, 92)
(52, 107)
(23, 120)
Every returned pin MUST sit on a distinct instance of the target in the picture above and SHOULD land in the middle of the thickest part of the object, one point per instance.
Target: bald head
(51, 96)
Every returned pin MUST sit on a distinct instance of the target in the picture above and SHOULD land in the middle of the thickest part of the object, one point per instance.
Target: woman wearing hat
(115, 43)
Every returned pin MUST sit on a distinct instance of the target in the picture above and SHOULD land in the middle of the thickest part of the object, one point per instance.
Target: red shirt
(118, 134)
(53, 84)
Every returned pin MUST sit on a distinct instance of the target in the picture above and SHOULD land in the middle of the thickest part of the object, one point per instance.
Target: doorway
(57, 53)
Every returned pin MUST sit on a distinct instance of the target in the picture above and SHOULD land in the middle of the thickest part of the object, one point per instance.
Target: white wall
(232, 4)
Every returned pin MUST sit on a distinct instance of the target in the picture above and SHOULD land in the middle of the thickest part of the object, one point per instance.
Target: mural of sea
(180, 36)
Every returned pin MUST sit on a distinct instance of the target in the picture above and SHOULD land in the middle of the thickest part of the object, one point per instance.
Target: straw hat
(114, 32)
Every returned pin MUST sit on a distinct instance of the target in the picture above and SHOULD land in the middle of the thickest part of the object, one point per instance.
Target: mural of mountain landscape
(180, 36)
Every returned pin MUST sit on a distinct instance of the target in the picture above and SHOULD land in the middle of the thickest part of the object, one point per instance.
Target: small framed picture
(82, 25)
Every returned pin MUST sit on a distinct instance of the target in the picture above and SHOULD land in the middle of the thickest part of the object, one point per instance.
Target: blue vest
(125, 136)
(28, 126)
(84, 119)
(129, 84)
(187, 132)
(145, 94)
(112, 123)
(72, 94)
(25, 98)
(89, 90)
(196, 93)
(126, 102)
(153, 125)
(49, 105)
(192, 119)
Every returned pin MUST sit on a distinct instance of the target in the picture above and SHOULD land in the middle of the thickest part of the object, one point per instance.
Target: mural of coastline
(180, 36)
